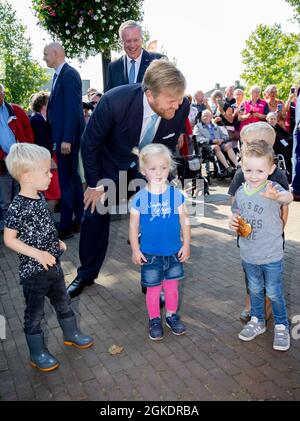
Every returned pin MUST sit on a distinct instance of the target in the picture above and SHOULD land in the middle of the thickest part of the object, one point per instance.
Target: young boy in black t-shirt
(30, 231)
(253, 132)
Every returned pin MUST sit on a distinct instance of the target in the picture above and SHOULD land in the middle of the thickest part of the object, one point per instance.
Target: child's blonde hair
(155, 149)
(258, 131)
(258, 149)
(24, 157)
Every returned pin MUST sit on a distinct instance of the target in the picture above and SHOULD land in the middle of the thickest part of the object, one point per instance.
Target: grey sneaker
(252, 329)
(281, 338)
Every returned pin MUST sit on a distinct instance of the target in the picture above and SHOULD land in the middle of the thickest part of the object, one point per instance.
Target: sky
(205, 37)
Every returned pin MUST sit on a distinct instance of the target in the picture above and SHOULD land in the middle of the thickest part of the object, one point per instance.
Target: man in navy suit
(131, 67)
(121, 122)
(65, 116)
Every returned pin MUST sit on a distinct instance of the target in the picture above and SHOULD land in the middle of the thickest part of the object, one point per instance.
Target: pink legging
(171, 298)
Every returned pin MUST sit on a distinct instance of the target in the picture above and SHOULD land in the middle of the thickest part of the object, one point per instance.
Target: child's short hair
(258, 131)
(258, 149)
(24, 157)
(156, 149)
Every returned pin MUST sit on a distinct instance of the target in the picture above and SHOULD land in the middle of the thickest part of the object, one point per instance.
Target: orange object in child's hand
(245, 229)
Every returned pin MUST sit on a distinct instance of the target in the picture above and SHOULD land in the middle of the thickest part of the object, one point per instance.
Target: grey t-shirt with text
(265, 243)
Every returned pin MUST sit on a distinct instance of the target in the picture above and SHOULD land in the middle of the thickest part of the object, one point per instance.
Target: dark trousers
(94, 236)
(49, 284)
(71, 201)
(9, 188)
(296, 157)
(93, 243)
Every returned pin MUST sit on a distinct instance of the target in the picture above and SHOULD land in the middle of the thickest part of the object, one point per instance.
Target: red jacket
(19, 124)
(185, 150)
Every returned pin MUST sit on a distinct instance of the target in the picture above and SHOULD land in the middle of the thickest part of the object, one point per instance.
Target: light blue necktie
(150, 132)
(131, 76)
(53, 80)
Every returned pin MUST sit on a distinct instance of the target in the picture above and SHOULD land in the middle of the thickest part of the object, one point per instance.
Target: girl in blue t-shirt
(159, 212)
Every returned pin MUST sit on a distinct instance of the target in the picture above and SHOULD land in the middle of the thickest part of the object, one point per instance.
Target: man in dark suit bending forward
(121, 122)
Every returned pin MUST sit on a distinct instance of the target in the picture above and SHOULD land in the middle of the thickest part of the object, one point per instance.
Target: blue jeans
(48, 283)
(269, 277)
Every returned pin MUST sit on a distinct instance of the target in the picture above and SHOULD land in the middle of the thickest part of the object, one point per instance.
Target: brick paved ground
(208, 363)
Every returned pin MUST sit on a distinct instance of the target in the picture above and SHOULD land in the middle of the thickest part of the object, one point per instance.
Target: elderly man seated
(212, 137)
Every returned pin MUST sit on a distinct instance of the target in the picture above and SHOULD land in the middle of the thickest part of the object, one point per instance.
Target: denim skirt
(160, 268)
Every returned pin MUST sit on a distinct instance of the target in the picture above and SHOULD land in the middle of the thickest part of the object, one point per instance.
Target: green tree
(296, 5)
(20, 74)
(86, 27)
(271, 57)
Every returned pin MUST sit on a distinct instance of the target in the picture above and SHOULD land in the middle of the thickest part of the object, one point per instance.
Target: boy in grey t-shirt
(251, 133)
(259, 202)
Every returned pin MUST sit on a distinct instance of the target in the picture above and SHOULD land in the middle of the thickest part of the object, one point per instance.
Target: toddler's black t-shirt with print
(33, 221)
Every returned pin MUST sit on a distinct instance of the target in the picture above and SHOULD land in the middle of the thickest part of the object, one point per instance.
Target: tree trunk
(106, 59)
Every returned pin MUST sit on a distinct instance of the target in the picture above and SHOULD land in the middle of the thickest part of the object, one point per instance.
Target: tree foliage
(86, 27)
(19, 73)
(296, 5)
(271, 57)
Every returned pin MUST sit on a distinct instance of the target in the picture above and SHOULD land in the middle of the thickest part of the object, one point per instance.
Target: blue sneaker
(175, 324)
(156, 332)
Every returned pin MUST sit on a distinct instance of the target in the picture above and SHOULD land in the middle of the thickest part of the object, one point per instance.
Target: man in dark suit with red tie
(131, 67)
(65, 116)
(120, 123)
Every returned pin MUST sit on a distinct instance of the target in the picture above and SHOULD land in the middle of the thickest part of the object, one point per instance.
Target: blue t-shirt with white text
(159, 220)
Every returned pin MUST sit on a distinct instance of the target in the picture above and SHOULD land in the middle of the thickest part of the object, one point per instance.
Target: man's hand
(91, 197)
(65, 148)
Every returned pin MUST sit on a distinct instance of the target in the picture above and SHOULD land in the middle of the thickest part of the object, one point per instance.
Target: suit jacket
(64, 111)
(118, 74)
(42, 135)
(114, 130)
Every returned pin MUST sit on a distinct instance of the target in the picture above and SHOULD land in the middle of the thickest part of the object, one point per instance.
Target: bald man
(66, 120)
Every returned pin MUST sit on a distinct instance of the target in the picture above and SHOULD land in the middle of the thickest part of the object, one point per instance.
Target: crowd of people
(135, 128)
(231, 112)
